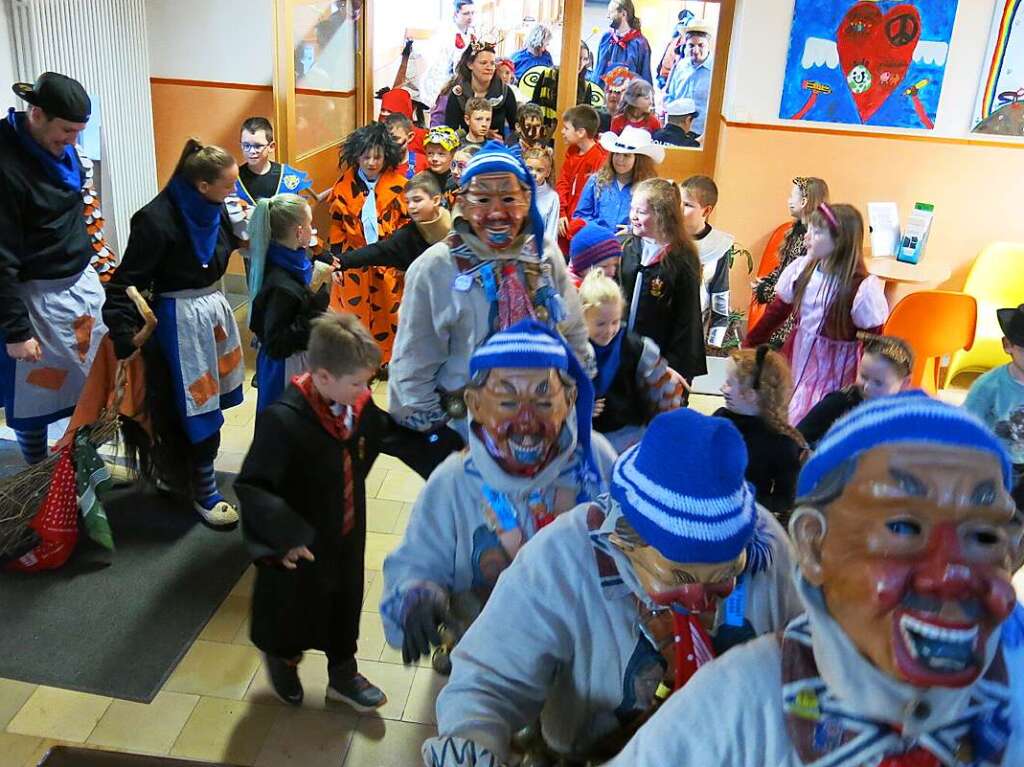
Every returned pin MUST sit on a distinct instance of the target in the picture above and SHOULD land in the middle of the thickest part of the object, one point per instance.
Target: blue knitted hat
(907, 417)
(531, 344)
(683, 488)
(494, 157)
(591, 245)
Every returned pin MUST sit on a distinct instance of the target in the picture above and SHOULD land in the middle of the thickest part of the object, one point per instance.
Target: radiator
(103, 45)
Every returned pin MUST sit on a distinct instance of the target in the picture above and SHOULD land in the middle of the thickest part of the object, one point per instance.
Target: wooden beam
(284, 81)
(568, 67)
(364, 66)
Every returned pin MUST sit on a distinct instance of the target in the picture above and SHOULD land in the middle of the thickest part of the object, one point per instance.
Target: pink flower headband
(830, 218)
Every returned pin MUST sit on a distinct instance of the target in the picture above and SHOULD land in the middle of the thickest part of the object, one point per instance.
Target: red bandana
(336, 427)
(632, 34)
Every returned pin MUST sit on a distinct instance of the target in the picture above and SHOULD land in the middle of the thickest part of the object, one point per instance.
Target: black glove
(407, 48)
(322, 298)
(421, 628)
(123, 347)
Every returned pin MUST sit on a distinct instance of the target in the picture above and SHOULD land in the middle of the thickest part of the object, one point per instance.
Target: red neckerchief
(460, 41)
(335, 426)
(632, 34)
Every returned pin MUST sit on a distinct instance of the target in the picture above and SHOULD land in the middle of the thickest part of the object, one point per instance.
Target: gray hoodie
(446, 315)
(560, 638)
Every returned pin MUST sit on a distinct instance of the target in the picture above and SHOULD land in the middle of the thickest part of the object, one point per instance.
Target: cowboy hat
(632, 141)
(681, 106)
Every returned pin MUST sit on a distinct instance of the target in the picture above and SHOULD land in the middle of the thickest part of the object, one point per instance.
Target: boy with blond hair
(302, 490)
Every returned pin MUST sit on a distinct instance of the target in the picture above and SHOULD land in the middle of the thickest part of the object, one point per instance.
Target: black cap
(58, 96)
(1012, 322)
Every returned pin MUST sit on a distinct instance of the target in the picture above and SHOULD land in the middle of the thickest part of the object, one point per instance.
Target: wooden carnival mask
(914, 558)
(497, 207)
(518, 414)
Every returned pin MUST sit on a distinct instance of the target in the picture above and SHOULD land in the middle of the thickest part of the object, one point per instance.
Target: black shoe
(254, 383)
(348, 686)
(284, 678)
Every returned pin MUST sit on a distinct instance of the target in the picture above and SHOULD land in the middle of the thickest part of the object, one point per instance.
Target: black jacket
(159, 258)
(399, 250)
(773, 465)
(831, 408)
(283, 310)
(669, 310)
(42, 231)
(504, 114)
(673, 135)
(625, 402)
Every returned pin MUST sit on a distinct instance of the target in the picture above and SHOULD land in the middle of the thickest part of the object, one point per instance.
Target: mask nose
(944, 573)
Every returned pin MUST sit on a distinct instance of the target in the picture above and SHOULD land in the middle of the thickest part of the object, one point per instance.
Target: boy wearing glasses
(260, 176)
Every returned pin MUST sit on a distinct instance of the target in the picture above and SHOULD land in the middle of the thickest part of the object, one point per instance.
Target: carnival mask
(518, 414)
(532, 130)
(914, 559)
(496, 205)
(696, 588)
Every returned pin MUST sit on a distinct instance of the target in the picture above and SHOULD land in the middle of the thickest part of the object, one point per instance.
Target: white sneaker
(223, 514)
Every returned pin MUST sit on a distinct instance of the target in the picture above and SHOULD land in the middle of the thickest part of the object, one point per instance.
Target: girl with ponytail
(281, 299)
(757, 389)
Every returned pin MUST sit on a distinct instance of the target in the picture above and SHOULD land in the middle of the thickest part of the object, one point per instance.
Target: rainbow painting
(1000, 107)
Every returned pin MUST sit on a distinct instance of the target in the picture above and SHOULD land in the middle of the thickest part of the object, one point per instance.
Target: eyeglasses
(248, 148)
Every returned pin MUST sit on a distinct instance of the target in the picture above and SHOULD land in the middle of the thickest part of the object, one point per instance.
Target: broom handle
(148, 318)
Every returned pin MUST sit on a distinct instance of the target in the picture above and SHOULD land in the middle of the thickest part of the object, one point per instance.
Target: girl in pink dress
(831, 296)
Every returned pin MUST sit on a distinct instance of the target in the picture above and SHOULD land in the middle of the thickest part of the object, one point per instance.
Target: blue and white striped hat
(683, 488)
(495, 157)
(531, 344)
(907, 417)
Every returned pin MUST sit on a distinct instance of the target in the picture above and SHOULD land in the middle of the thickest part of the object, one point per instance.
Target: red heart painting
(875, 52)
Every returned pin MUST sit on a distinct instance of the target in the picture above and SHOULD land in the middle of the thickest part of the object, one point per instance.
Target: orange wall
(976, 189)
(212, 112)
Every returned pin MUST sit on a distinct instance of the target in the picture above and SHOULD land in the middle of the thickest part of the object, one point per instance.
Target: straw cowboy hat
(633, 141)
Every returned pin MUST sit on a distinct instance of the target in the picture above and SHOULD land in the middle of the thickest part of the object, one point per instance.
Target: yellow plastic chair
(996, 280)
(934, 323)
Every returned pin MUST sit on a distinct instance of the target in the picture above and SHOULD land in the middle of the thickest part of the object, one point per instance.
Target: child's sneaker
(284, 678)
(347, 685)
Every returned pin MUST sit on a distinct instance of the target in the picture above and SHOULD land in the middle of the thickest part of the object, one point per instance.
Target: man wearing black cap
(50, 300)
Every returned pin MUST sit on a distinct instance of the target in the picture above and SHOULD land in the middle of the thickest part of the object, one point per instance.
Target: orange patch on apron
(47, 378)
(219, 334)
(203, 388)
(229, 361)
(83, 335)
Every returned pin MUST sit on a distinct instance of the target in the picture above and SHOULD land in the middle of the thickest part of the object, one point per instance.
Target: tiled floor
(217, 705)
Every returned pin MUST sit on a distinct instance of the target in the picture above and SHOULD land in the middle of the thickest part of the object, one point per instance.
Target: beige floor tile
(244, 586)
(371, 636)
(394, 655)
(306, 738)
(374, 480)
(241, 636)
(372, 595)
(369, 576)
(706, 403)
(395, 681)
(378, 546)
(388, 462)
(15, 750)
(214, 668)
(400, 485)
(237, 439)
(224, 624)
(64, 714)
(403, 519)
(240, 415)
(148, 728)
(12, 697)
(46, 744)
(384, 743)
(230, 460)
(225, 731)
(382, 515)
(422, 697)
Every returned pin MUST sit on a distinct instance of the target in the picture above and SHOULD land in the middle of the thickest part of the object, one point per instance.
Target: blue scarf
(368, 215)
(65, 170)
(295, 262)
(202, 217)
(607, 358)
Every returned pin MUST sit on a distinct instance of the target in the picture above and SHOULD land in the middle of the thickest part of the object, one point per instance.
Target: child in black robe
(303, 506)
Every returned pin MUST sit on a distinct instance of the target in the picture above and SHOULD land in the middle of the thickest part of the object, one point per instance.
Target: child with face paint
(400, 128)
(909, 651)
(439, 149)
(367, 205)
(885, 365)
(529, 132)
(832, 297)
(633, 382)
(757, 389)
(539, 162)
(618, 604)
(637, 108)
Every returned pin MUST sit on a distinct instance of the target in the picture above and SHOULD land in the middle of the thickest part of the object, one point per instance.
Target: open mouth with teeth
(526, 449)
(499, 235)
(936, 652)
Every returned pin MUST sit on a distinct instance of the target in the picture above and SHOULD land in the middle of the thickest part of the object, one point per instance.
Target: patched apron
(67, 321)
